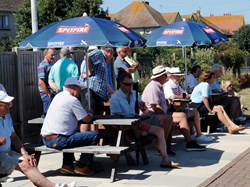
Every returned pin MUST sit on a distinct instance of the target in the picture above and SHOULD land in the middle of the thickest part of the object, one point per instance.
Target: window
(4, 22)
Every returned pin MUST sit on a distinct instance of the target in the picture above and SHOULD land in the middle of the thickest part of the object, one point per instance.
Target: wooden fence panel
(28, 85)
(8, 77)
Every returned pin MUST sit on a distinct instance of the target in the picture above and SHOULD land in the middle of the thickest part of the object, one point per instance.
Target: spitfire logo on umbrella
(82, 32)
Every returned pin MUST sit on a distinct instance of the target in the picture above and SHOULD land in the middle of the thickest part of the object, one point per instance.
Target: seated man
(11, 160)
(231, 104)
(173, 90)
(191, 79)
(60, 126)
(123, 101)
(153, 96)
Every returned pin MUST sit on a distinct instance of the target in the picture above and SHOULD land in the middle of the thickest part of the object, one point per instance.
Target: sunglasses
(127, 84)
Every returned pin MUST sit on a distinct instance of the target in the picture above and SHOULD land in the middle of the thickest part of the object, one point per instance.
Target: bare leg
(161, 143)
(34, 175)
(223, 117)
(166, 122)
(180, 117)
(195, 114)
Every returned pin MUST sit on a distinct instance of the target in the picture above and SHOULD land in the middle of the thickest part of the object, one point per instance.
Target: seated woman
(201, 98)
(228, 87)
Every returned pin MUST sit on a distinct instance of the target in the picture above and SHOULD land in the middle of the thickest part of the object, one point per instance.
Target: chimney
(146, 2)
(199, 13)
(211, 14)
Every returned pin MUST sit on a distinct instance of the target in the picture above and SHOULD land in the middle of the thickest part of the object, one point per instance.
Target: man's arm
(88, 118)
(53, 86)
(110, 90)
(157, 109)
(16, 142)
(89, 66)
(42, 84)
(132, 69)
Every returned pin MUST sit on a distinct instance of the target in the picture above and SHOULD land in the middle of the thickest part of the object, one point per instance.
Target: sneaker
(241, 118)
(203, 138)
(6, 179)
(72, 184)
(194, 146)
(67, 169)
(86, 171)
(193, 136)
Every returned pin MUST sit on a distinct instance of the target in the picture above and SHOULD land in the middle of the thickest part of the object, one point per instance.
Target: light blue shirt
(201, 90)
(6, 130)
(61, 70)
(119, 103)
(216, 86)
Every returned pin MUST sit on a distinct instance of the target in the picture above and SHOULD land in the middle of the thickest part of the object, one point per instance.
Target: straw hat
(158, 71)
(175, 71)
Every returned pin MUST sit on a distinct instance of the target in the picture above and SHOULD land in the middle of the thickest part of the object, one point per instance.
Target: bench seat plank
(87, 149)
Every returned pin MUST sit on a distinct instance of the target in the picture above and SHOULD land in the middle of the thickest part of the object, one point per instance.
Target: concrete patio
(196, 167)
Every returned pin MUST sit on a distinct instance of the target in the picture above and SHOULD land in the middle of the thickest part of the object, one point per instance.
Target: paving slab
(196, 167)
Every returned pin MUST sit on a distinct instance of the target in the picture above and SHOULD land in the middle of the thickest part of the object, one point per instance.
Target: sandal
(169, 164)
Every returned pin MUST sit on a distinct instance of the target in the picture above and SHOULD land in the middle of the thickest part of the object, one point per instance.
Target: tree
(50, 11)
(242, 38)
(205, 57)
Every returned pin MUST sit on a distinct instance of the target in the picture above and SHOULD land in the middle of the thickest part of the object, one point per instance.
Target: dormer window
(4, 22)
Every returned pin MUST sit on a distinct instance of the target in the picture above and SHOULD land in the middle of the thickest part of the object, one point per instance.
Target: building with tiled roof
(7, 20)
(227, 23)
(172, 17)
(140, 17)
(188, 17)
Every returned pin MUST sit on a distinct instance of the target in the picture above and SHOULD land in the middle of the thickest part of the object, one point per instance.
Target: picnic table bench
(113, 151)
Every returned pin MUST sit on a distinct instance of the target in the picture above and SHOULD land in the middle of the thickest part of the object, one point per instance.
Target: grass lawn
(245, 99)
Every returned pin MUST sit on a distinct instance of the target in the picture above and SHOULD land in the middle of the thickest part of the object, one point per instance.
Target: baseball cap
(72, 81)
(4, 97)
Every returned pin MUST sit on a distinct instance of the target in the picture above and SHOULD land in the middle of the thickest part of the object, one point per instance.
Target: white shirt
(63, 114)
(171, 88)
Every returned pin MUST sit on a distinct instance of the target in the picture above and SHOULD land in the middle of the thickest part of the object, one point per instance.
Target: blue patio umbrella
(82, 32)
(184, 34)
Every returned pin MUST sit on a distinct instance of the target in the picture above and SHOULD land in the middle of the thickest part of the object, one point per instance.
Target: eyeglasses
(127, 84)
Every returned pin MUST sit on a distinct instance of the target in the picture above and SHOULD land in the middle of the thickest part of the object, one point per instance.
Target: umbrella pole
(184, 53)
(87, 78)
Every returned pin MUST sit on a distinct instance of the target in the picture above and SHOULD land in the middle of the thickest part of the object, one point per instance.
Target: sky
(206, 7)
